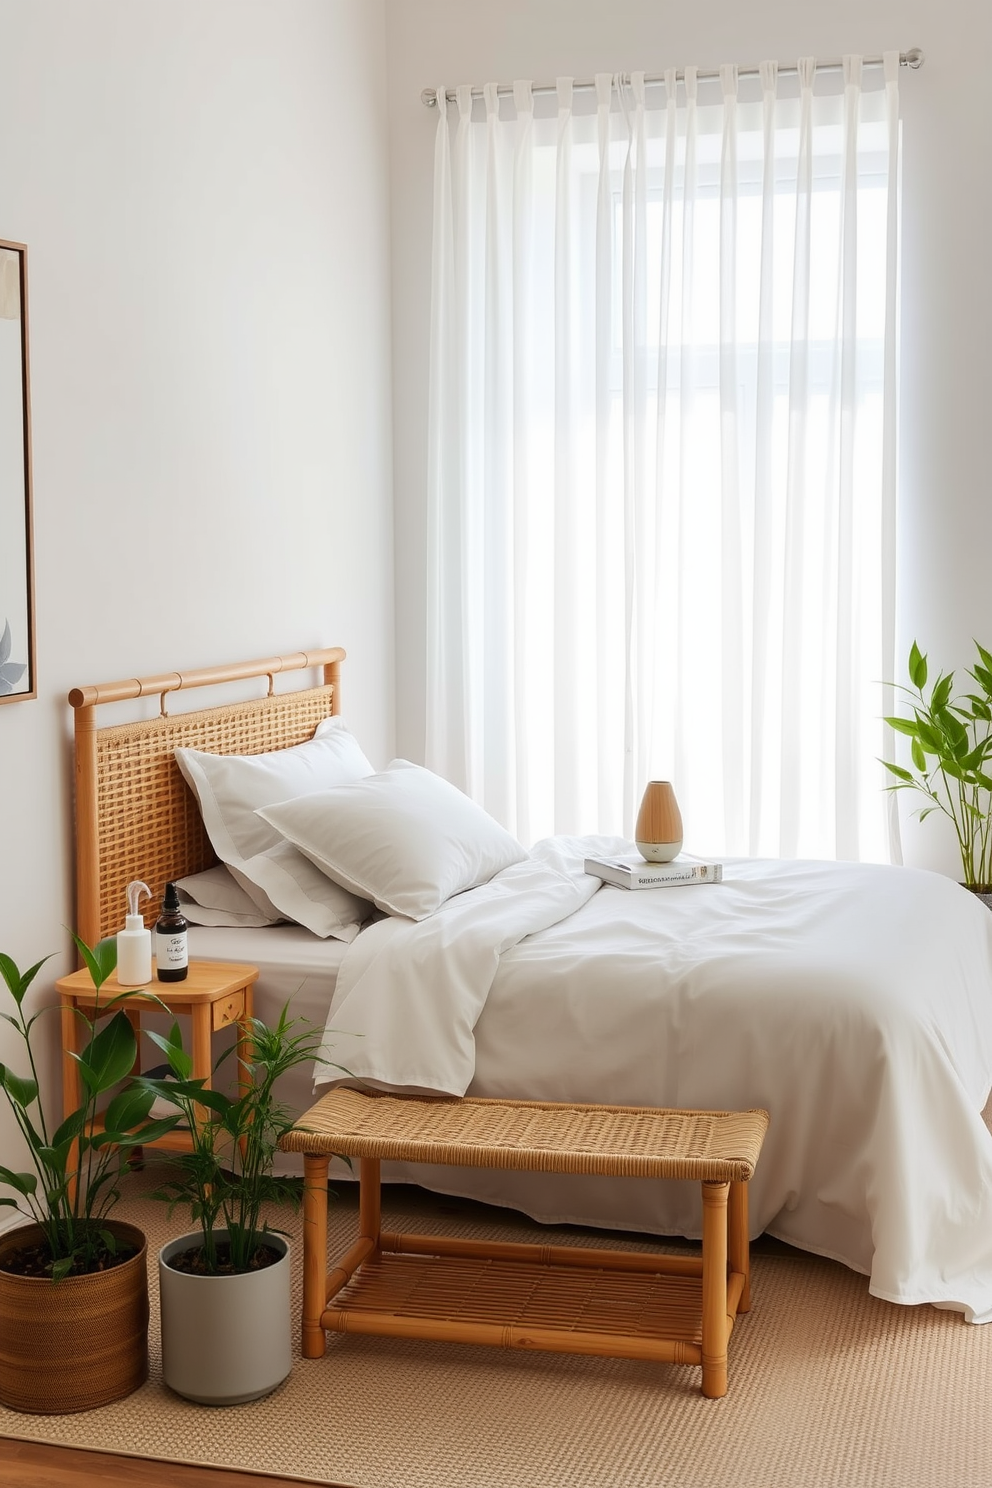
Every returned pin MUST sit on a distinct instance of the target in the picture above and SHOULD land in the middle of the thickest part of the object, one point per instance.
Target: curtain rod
(913, 58)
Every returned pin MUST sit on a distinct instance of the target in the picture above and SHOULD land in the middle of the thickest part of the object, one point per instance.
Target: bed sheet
(293, 965)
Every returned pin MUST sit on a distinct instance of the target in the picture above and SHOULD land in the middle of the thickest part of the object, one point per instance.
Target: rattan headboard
(135, 815)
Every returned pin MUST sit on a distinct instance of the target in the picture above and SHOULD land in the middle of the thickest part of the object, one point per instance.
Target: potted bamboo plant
(951, 759)
(73, 1281)
(226, 1314)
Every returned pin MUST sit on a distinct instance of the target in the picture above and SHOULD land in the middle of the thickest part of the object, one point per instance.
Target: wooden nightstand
(214, 995)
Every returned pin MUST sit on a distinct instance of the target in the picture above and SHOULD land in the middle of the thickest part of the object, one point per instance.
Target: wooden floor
(28, 1465)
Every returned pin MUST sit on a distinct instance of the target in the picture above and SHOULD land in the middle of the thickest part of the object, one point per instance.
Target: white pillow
(280, 880)
(405, 839)
(215, 897)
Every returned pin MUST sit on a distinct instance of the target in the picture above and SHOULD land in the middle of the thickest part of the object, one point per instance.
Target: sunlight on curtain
(662, 456)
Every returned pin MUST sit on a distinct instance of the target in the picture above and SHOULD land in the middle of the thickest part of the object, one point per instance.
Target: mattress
(294, 966)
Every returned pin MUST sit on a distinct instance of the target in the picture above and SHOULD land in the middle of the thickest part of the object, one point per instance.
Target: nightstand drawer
(227, 1010)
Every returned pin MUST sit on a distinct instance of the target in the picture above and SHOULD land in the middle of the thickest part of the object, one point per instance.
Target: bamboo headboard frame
(135, 815)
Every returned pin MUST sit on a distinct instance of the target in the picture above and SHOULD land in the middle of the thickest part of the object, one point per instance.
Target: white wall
(203, 191)
(945, 512)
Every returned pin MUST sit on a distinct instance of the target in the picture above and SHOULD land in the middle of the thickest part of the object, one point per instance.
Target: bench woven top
(543, 1136)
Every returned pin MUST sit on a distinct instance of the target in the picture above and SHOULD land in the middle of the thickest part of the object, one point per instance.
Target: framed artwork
(17, 631)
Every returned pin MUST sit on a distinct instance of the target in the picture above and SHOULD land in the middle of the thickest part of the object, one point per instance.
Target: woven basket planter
(75, 1344)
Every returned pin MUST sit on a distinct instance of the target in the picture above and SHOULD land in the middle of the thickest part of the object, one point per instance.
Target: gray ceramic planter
(225, 1339)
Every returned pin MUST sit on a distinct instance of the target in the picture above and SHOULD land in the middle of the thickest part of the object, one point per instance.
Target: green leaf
(143, 1136)
(70, 1128)
(90, 962)
(129, 1108)
(983, 676)
(110, 1056)
(62, 1268)
(898, 771)
(980, 708)
(940, 696)
(180, 1062)
(917, 667)
(926, 812)
(903, 726)
(55, 1157)
(929, 737)
(24, 1183)
(22, 1091)
(985, 655)
(18, 982)
(953, 768)
(919, 758)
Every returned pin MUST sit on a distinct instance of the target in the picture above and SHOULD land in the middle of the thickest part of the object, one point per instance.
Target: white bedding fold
(409, 992)
(853, 1002)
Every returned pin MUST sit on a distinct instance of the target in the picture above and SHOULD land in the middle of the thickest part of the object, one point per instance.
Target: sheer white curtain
(662, 455)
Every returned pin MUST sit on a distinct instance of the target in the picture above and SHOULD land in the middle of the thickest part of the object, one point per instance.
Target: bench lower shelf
(611, 1304)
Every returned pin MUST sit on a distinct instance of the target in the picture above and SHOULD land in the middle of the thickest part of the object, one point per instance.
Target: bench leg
(370, 1200)
(715, 1289)
(314, 1340)
(738, 1246)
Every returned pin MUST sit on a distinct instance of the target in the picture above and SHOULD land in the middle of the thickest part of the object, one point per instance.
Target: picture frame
(18, 670)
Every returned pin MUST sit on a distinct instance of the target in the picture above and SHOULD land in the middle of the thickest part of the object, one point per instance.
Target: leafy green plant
(951, 752)
(76, 1167)
(227, 1178)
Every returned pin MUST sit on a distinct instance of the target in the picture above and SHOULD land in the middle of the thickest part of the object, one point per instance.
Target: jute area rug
(828, 1386)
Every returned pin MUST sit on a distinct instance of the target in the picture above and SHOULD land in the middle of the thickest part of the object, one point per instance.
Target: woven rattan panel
(628, 1141)
(149, 824)
(524, 1294)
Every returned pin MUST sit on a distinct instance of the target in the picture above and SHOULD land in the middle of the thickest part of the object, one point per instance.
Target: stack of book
(634, 873)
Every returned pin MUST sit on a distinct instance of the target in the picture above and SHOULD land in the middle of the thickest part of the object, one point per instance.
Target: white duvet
(853, 1002)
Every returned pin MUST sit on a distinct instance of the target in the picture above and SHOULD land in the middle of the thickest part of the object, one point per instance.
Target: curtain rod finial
(914, 57)
(429, 98)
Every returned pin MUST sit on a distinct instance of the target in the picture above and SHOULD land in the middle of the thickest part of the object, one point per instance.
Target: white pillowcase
(215, 897)
(280, 880)
(405, 839)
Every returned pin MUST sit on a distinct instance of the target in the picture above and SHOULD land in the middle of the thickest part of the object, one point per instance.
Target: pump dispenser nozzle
(134, 942)
(134, 893)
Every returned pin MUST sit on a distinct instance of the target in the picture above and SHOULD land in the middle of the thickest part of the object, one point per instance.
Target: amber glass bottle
(171, 955)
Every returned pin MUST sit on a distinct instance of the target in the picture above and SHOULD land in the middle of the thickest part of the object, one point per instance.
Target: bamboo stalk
(314, 1341)
(551, 1255)
(714, 1351)
(114, 692)
(738, 1246)
(513, 1335)
(346, 1267)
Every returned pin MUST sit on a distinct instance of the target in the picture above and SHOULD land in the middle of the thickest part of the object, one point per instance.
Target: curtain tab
(463, 95)
(563, 87)
(490, 93)
(728, 79)
(690, 79)
(523, 97)
(604, 89)
(637, 88)
(671, 86)
(768, 72)
(442, 101)
(806, 68)
(890, 66)
(852, 71)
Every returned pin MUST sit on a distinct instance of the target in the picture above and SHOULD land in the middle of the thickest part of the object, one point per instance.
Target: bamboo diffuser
(658, 832)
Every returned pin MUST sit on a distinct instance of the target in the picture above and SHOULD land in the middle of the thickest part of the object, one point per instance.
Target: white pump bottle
(134, 942)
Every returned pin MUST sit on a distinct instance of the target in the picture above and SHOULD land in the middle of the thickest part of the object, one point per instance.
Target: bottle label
(170, 951)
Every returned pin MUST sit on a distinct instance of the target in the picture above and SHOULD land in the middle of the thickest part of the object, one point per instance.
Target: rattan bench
(568, 1299)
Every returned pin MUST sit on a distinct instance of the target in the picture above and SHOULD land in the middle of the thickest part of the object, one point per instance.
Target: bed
(852, 1001)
